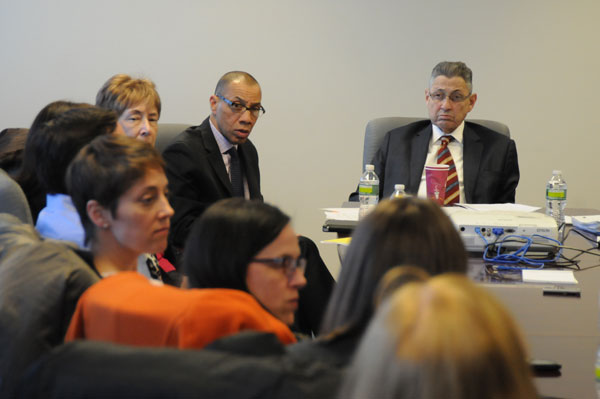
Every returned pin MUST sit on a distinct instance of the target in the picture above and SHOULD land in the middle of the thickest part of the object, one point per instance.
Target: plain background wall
(326, 68)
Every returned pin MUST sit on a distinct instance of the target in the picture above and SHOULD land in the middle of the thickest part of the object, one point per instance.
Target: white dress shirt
(456, 149)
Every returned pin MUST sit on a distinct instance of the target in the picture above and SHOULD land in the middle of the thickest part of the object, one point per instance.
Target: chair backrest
(377, 128)
(166, 133)
(13, 200)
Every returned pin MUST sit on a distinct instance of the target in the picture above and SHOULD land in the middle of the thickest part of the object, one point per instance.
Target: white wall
(326, 68)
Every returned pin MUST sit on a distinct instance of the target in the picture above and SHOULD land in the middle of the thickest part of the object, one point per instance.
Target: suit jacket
(198, 177)
(490, 164)
(40, 283)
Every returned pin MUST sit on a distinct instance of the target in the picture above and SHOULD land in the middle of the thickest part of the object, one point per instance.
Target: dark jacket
(40, 283)
(198, 177)
(490, 164)
(88, 369)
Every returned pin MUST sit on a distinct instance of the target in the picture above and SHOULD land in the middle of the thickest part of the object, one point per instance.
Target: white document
(350, 214)
(548, 276)
(499, 207)
(589, 223)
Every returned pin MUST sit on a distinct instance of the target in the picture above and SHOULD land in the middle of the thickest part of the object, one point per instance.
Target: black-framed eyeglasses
(455, 97)
(287, 263)
(238, 108)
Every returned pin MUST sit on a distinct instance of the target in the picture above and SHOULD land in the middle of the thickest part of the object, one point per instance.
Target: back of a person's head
(122, 91)
(61, 138)
(12, 145)
(27, 176)
(401, 231)
(104, 169)
(444, 338)
(224, 240)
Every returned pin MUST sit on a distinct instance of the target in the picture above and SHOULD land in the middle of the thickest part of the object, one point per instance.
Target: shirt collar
(60, 200)
(222, 142)
(457, 133)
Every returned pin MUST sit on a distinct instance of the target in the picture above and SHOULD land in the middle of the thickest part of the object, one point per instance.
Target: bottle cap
(557, 172)
(369, 167)
(398, 186)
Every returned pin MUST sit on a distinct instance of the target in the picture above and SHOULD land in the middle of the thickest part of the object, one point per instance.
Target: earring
(105, 226)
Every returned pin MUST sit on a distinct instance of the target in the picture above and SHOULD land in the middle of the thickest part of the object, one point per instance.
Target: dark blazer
(490, 164)
(198, 178)
(40, 283)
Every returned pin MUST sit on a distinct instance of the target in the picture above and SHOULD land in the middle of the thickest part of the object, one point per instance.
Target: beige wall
(326, 68)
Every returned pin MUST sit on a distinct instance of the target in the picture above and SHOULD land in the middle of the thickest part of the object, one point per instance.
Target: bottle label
(554, 194)
(368, 189)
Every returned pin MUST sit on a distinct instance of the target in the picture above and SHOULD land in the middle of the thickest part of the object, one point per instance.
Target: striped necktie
(445, 157)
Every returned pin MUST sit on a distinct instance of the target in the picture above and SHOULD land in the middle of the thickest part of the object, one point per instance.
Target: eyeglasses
(287, 263)
(238, 108)
(455, 97)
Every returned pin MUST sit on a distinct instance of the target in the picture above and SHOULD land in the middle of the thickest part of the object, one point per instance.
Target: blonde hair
(122, 91)
(445, 337)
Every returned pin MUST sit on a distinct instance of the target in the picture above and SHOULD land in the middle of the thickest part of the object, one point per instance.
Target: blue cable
(518, 256)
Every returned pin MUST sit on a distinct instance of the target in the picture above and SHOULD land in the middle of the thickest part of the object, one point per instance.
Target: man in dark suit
(486, 161)
(198, 161)
(201, 171)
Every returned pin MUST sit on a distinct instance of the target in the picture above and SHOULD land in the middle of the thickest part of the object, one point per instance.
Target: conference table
(559, 328)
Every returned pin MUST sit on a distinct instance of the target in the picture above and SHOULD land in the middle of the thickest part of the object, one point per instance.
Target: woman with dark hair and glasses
(248, 246)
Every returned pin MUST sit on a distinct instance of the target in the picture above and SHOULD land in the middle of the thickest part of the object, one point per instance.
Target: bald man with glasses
(215, 160)
(485, 161)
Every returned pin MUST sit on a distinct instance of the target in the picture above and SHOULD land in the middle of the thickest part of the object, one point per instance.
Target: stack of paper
(548, 276)
(590, 224)
(350, 214)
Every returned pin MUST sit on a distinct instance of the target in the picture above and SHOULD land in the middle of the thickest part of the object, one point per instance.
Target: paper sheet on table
(589, 223)
(340, 241)
(499, 207)
(549, 276)
(341, 214)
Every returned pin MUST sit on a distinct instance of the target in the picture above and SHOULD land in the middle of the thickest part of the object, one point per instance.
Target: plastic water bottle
(556, 199)
(368, 191)
(398, 191)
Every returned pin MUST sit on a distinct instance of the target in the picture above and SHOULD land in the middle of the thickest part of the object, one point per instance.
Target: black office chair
(377, 128)
(166, 133)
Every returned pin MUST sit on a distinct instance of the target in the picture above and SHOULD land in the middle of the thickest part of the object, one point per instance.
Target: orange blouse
(126, 308)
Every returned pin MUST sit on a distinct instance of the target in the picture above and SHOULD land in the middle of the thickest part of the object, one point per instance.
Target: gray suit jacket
(40, 283)
(490, 164)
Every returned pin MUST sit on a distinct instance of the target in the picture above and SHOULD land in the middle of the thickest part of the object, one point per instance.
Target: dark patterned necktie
(235, 170)
(445, 157)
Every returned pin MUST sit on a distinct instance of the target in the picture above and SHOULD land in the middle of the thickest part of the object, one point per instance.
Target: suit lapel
(472, 150)
(419, 148)
(215, 157)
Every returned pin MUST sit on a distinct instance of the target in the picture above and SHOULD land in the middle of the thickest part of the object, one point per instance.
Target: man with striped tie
(483, 163)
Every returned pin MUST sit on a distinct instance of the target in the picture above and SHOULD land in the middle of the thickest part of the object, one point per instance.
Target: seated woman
(34, 144)
(400, 231)
(248, 246)
(54, 147)
(136, 103)
(119, 188)
(440, 338)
